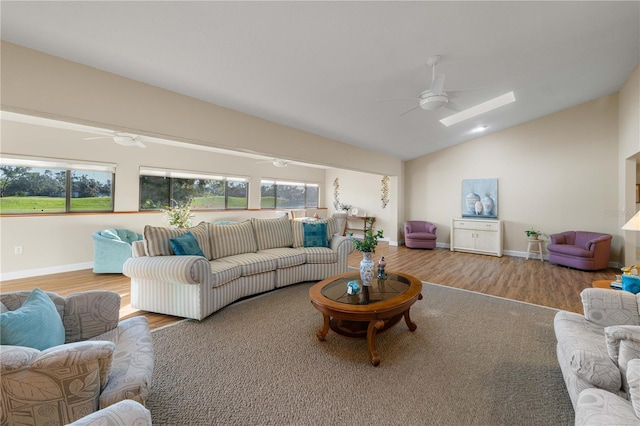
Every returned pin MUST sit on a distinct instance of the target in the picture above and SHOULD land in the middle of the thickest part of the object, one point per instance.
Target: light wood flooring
(510, 277)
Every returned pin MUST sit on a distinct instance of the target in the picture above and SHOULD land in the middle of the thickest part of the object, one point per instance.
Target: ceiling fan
(435, 97)
(276, 162)
(124, 139)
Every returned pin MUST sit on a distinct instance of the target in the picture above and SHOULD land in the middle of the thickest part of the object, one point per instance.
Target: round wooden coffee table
(373, 310)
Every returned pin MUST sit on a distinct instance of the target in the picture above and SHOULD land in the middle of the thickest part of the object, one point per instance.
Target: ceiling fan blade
(97, 137)
(393, 99)
(409, 110)
(454, 93)
(438, 84)
(139, 144)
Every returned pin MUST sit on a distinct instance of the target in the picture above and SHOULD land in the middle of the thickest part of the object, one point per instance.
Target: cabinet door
(464, 238)
(487, 241)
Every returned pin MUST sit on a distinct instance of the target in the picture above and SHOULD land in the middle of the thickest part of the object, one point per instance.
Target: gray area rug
(474, 360)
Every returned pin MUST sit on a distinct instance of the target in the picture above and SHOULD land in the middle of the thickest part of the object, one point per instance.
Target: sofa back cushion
(273, 233)
(298, 230)
(229, 240)
(583, 237)
(157, 239)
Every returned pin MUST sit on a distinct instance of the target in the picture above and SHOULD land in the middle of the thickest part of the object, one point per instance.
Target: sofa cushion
(319, 254)
(223, 272)
(253, 263)
(186, 245)
(598, 407)
(315, 234)
(569, 250)
(286, 257)
(272, 233)
(35, 324)
(229, 240)
(157, 239)
(297, 228)
(623, 345)
(582, 343)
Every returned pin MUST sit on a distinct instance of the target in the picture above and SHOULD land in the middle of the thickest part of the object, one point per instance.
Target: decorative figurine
(381, 265)
(352, 288)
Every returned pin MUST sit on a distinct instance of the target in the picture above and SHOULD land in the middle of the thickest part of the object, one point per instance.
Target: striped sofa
(239, 260)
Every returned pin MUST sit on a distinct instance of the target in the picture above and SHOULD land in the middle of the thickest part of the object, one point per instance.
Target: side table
(602, 284)
(531, 245)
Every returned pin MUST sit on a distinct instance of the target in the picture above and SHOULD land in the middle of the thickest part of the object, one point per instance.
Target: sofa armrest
(175, 269)
(603, 240)
(127, 412)
(342, 244)
(90, 313)
(610, 307)
(432, 228)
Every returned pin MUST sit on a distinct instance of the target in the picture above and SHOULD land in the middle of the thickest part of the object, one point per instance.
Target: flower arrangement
(345, 207)
(179, 215)
(384, 198)
(369, 242)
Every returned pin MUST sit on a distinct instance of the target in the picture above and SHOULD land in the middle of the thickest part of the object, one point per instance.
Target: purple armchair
(588, 251)
(419, 234)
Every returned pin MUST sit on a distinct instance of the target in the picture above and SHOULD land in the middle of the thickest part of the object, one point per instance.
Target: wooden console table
(359, 224)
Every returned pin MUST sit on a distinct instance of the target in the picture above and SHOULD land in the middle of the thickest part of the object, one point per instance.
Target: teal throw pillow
(186, 245)
(35, 324)
(315, 234)
(631, 283)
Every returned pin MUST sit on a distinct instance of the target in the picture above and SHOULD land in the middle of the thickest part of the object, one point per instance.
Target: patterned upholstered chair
(127, 412)
(103, 361)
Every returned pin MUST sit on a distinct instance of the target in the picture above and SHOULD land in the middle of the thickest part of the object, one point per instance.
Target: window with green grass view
(288, 195)
(39, 186)
(159, 187)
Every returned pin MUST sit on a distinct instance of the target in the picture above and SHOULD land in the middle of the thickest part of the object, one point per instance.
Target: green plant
(532, 233)
(369, 242)
(179, 215)
(345, 207)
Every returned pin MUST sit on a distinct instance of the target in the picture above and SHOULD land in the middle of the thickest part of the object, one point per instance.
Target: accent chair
(111, 248)
(588, 251)
(420, 234)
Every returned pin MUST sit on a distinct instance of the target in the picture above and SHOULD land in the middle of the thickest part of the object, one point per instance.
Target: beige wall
(629, 147)
(556, 173)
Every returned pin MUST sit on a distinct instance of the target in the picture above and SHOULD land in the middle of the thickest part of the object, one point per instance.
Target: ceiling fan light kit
(432, 102)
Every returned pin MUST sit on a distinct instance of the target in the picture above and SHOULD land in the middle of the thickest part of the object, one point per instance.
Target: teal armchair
(111, 248)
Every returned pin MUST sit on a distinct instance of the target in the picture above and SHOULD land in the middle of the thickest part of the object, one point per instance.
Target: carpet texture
(474, 360)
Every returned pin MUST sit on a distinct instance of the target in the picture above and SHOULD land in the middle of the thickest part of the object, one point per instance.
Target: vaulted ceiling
(324, 67)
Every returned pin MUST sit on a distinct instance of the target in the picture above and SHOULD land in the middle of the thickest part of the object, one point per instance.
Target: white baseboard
(45, 271)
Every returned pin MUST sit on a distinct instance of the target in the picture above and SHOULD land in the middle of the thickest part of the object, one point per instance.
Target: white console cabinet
(477, 236)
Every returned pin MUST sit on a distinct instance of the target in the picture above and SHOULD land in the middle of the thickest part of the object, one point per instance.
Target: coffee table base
(364, 330)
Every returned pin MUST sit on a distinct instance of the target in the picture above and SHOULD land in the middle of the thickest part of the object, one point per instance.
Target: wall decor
(480, 198)
(336, 194)
(385, 191)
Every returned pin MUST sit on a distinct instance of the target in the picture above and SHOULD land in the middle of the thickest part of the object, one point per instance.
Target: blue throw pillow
(186, 245)
(315, 234)
(35, 324)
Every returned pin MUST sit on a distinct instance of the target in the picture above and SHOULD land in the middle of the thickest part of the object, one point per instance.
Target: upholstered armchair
(127, 412)
(420, 234)
(584, 250)
(101, 362)
(111, 248)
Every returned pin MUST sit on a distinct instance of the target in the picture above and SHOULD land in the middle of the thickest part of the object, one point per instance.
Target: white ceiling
(322, 66)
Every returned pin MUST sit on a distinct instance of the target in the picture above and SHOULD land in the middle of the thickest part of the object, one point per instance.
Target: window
(288, 195)
(159, 187)
(51, 186)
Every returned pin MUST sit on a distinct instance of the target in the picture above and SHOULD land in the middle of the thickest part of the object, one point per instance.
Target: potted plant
(367, 246)
(533, 234)
(345, 207)
(179, 215)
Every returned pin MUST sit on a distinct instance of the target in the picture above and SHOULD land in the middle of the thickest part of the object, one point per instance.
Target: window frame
(68, 167)
(173, 175)
(276, 183)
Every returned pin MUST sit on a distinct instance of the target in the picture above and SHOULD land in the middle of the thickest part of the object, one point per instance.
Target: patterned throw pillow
(315, 234)
(36, 324)
(186, 245)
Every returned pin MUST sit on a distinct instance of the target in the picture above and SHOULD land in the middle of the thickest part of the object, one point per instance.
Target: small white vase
(487, 205)
(366, 269)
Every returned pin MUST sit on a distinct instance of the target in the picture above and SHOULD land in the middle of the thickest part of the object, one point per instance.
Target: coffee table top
(394, 292)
